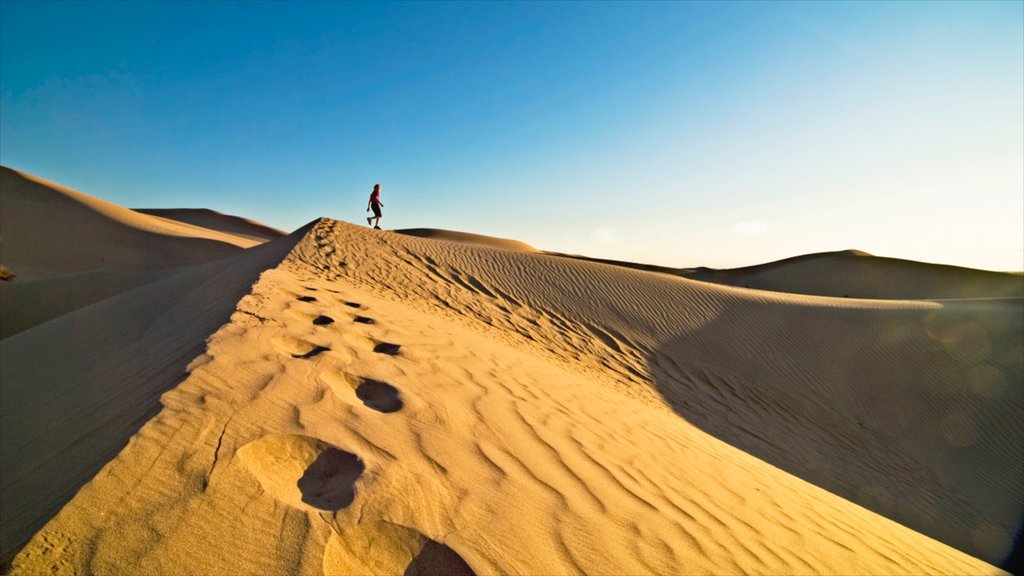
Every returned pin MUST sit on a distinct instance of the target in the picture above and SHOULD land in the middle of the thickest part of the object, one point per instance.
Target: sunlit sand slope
(387, 404)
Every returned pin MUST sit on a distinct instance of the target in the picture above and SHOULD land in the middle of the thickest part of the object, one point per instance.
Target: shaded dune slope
(69, 249)
(213, 220)
(28, 303)
(384, 403)
(75, 389)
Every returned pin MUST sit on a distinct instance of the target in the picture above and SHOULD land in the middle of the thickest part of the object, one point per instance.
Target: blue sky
(684, 134)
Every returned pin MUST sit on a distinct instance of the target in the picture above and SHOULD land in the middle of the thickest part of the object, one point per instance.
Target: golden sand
(344, 400)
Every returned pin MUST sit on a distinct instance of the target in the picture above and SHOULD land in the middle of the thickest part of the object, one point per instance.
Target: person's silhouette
(374, 204)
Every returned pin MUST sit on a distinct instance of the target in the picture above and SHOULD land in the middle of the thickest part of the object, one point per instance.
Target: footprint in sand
(303, 472)
(387, 348)
(375, 394)
(364, 320)
(353, 304)
(436, 558)
(323, 320)
(378, 395)
(306, 299)
(298, 348)
(329, 482)
(316, 350)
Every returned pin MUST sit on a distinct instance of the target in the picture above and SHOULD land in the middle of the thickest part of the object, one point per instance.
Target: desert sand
(853, 274)
(339, 400)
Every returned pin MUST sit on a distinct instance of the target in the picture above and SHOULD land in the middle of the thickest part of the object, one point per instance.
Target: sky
(683, 134)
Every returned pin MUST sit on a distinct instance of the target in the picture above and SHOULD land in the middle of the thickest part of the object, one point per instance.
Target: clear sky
(683, 134)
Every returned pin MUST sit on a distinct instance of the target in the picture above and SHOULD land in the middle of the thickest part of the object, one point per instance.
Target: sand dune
(852, 274)
(478, 239)
(75, 389)
(855, 274)
(385, 403)
(214, 220)
(125, 237)
(69, 249)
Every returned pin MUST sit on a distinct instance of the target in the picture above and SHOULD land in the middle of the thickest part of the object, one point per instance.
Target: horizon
(681, 135)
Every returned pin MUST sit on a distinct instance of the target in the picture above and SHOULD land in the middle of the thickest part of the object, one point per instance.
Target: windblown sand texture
(387, 403)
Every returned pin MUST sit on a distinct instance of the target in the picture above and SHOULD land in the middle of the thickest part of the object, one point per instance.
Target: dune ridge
(386, 403)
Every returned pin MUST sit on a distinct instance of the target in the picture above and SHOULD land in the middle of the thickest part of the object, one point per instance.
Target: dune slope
(75, 389)
(213, 220)
(478, 239)
(51, 230)
(383, 403)
(70, 249)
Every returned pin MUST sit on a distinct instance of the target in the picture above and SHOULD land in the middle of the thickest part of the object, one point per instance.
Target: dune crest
(381, 402)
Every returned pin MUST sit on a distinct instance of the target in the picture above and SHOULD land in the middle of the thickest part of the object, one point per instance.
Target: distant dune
(214, 220)
(345, 400)
(477, 239)
(853, 274)
(856, 274)
(38, 216)
(69, 249)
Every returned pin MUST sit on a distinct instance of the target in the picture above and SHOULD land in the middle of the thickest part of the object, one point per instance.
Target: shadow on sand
(852, 401)
(436, 559)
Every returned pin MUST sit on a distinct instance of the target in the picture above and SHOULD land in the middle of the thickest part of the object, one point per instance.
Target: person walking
(374, 204)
